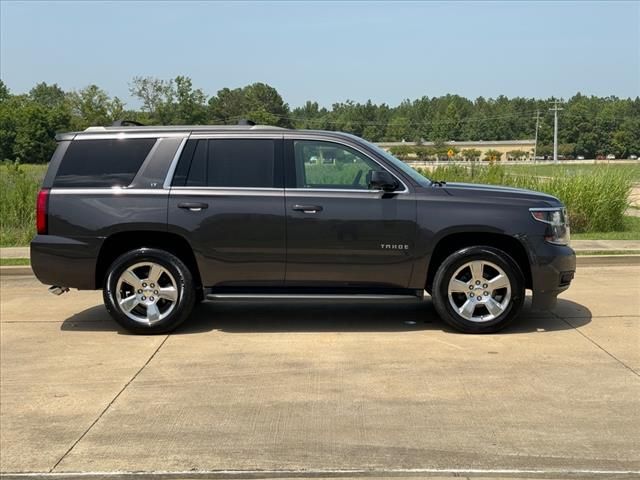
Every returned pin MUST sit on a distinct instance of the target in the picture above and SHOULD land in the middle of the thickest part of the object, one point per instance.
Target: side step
(309, 296)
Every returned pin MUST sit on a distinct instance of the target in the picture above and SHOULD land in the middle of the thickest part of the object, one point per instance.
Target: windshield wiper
(438, 183)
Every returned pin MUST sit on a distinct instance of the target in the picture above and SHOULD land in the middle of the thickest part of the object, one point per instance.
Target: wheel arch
(453, 242)
(122, 242)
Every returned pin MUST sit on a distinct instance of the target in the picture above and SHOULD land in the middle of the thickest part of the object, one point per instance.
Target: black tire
(179, 274)
(451, 265)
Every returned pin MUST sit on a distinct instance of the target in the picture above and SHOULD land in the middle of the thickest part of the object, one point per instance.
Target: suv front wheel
(478, 290)
(149, 291)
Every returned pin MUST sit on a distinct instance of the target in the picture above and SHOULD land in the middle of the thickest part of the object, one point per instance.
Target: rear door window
(102, 163)
(230, 163)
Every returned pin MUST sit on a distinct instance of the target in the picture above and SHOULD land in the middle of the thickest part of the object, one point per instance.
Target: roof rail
(126, 123)
(245, 121)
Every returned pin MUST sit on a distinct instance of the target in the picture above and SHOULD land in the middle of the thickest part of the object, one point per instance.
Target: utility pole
(535, 146)
(555, 111)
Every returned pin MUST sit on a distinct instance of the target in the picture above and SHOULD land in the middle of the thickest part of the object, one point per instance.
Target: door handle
(193, 206)
(307, 208)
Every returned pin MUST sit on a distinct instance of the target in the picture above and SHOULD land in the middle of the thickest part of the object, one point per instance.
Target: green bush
(596, 200)
(18, 191)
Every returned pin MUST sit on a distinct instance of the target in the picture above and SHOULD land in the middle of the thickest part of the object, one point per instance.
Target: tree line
(589, 125)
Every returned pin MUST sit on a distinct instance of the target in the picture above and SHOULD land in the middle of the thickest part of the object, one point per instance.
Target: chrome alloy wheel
(146, 292)
(479, 291)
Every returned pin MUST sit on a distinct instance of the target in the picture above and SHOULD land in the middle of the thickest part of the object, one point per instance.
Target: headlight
(557, 224)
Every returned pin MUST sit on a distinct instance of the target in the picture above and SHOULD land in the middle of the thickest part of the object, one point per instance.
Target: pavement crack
(109, 405)
(597, 345)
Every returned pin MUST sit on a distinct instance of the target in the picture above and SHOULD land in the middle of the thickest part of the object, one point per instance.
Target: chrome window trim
(320, 138)
(345, 190)
(204, 187)
(107, 191)
(226, 191)
(174, 164)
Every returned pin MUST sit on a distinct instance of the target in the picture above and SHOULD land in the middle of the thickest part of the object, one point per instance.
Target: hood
(496, 191)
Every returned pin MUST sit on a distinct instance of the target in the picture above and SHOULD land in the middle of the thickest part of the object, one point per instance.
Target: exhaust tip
(56, 290)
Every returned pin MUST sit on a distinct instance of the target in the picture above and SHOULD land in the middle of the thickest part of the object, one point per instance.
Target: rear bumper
(65, 262)
(552, 271)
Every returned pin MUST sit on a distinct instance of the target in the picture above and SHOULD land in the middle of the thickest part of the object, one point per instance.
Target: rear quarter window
(102, 163)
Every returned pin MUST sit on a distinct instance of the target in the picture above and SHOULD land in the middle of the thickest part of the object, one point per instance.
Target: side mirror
(383, 181)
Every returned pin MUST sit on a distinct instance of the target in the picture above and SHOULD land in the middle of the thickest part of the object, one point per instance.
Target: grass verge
(588, 253)
(14, 262)
(630, 231)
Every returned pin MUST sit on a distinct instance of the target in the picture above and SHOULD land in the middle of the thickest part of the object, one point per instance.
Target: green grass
(632, 171)
(630, 231)
(13, 262)
(607, 252)
(596, 200)
(19, 186)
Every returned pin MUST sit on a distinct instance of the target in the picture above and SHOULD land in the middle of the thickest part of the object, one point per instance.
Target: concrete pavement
(382, 389)
(605, 245)
(14, 252)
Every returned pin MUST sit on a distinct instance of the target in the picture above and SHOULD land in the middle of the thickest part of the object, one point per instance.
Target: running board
(307, 296)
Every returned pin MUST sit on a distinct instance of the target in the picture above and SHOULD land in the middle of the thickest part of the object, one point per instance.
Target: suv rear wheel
(149, 291)
(478, 290)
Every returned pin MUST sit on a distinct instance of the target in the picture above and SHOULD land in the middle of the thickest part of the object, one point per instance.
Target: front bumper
(65, 262)
(552, 270)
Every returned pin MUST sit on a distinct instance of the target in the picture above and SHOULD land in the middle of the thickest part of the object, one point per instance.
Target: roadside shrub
(18, 191)
(596, 200)
(402, 151)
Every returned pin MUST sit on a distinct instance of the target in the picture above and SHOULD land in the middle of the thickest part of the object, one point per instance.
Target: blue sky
(329, 51)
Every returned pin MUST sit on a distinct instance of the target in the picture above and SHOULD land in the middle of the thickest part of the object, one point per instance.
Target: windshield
(417, 176)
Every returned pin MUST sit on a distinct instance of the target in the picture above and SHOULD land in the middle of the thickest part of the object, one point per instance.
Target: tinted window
(227, 163)
(182, 169)
(102, 163)
(329, 165)
(241, 163)
(197, 176)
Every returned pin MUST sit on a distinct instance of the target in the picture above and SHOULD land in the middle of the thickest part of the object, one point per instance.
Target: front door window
(329, 165)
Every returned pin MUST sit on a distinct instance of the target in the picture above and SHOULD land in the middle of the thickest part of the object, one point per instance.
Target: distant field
(630, 170)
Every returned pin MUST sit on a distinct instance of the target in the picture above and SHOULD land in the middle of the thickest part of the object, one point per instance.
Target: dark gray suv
(160, 218)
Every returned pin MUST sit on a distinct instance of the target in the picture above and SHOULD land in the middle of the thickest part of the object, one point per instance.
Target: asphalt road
(374, 389)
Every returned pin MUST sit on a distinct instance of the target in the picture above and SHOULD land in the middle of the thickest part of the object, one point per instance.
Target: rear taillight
(42, 206)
